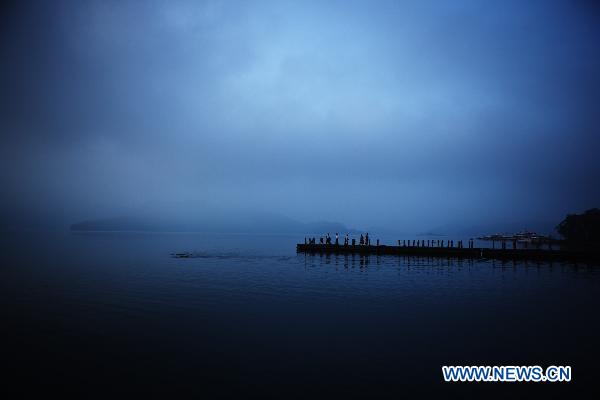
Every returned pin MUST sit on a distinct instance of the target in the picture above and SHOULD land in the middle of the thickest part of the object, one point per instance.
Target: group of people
(365, 240)
(326, 239)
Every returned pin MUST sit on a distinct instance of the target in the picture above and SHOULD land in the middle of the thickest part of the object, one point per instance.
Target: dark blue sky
(374, 113)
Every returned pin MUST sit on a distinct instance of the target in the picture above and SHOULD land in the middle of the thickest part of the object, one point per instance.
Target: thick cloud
(375, 114)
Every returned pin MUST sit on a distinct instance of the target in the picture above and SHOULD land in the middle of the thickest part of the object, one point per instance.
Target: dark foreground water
(114, 313)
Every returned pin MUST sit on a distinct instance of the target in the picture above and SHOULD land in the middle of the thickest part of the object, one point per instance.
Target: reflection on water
(248, 312)
(406, 261)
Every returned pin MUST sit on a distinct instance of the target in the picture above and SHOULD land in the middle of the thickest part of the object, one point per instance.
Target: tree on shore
(581, 227)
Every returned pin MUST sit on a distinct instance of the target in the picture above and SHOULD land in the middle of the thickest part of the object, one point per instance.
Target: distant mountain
(491, 228)
(258, 223)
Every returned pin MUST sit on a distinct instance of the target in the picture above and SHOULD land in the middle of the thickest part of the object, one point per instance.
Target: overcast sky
(374, 113)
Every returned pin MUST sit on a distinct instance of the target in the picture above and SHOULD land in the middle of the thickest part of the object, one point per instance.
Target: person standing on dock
(367, 240)
(337, 239)
(362, 239)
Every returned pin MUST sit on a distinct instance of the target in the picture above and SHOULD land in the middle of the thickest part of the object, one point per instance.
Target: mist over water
(131, 131)
(404, 116)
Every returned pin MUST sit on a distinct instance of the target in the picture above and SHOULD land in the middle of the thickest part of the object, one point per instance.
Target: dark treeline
(583, 228)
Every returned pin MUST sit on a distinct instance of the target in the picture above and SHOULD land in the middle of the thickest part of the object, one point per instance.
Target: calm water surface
(114, 312)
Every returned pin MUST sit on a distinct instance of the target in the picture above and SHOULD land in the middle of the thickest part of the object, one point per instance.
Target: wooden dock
(453, 252)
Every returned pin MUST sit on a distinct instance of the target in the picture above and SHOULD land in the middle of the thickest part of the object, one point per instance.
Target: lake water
(114, 312)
